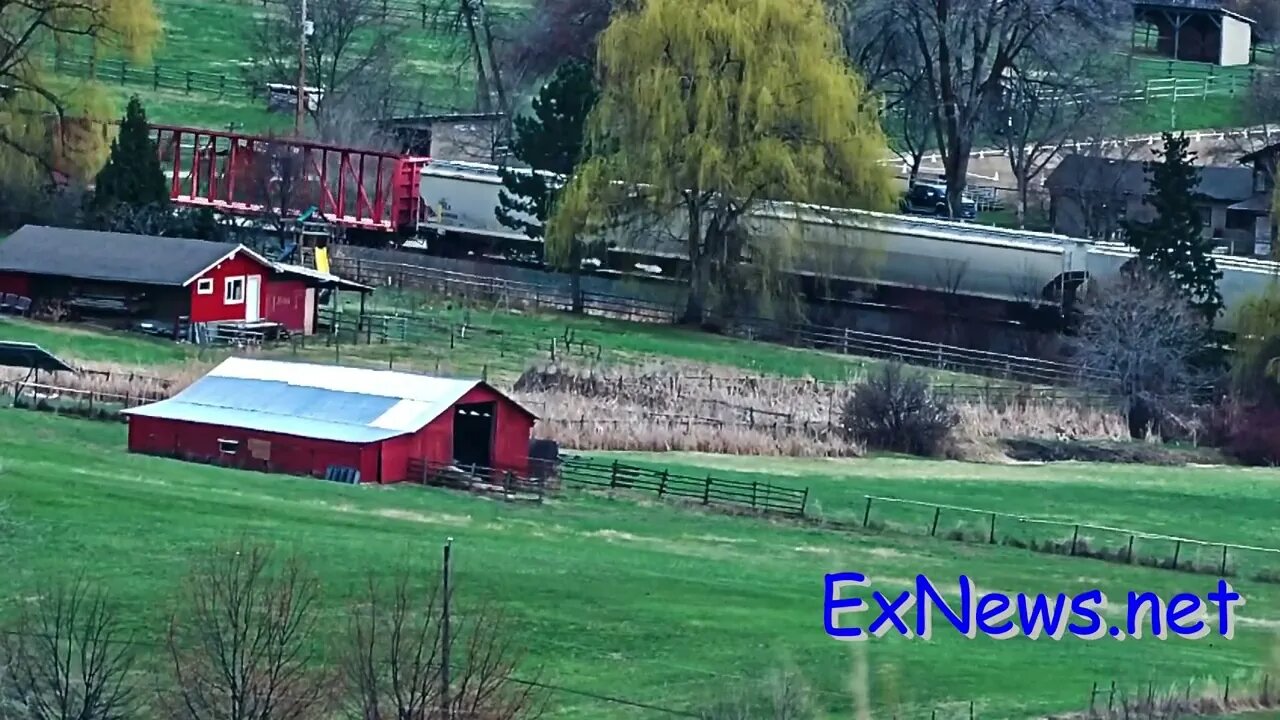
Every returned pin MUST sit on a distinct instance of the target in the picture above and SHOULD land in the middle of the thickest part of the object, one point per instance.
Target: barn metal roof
(324, 402)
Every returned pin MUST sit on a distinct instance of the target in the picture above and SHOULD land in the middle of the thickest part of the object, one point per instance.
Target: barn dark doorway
(473, 434)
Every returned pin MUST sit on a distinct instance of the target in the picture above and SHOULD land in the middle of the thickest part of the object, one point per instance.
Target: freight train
(923, 254)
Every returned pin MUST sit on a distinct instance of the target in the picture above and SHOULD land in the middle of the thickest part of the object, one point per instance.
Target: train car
(918, 253)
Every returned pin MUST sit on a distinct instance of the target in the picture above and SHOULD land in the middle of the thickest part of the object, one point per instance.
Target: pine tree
(551, 141)
(1173, 242)
(132, 174)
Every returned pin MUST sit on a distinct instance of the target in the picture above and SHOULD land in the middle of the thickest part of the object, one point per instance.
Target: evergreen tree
(132, 174)
(551, 141)
(1173, 242)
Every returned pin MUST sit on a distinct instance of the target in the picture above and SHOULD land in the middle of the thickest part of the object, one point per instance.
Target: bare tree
(782, 696)
(351, 52)
(909, 123)
(1047, 104)
(1139, 341)
(965, 49)
(242, 640)
(1097, 192)
(395, 651)
(67, 658)
(477, 25)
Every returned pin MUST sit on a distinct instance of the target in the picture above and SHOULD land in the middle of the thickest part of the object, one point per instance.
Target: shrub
(1254, 437)
(895, 410)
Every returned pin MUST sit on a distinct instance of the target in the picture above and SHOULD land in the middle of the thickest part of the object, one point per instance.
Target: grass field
(637, 599)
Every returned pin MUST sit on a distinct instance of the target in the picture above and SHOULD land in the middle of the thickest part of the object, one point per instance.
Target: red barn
(306, 419)
(104, 274)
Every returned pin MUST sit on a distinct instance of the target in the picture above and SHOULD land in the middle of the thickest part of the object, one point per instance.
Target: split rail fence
(707, 490)
(1068, 537)
(551, 297)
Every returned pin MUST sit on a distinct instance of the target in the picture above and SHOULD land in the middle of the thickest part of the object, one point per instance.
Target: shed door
(253, 298)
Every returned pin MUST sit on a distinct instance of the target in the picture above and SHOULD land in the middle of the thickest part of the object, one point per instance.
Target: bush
(896, 411)
(1254, 437)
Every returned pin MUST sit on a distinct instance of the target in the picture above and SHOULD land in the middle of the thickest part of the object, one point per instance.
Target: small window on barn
(204, 286)
(228, 447)
(233, 290)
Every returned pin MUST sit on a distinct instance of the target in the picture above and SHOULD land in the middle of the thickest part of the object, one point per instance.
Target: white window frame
(233, 282)
(204, 286)
(228, 447)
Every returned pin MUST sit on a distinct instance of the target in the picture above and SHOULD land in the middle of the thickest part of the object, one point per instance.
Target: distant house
(1090, 196)
(192, 284)
(1262, 165)
(308, 419)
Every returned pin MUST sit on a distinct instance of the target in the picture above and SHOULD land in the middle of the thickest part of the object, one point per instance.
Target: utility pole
(445, 705)
(303, 31)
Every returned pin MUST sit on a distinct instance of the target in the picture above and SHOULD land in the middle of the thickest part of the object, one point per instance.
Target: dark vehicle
(925, 199)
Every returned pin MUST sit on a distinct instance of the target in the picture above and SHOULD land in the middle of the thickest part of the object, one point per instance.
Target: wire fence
(1069, 537)
(706, 490)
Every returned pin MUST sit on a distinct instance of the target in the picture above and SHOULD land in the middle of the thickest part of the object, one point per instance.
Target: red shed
(305, 419)
(161, 279)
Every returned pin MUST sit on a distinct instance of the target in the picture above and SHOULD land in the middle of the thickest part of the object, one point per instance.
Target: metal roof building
(307, 419)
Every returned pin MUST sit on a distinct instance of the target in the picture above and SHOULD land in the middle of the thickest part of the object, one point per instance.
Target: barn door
(473, 434)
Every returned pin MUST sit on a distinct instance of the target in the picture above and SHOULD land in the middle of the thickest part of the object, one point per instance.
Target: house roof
(323, 402)
(321, 279)
(1217, 182)
(109, 256)
(1209, 7)
(1259, 154)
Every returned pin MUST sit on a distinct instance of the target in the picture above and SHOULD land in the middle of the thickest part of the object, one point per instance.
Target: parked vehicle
(928, 199)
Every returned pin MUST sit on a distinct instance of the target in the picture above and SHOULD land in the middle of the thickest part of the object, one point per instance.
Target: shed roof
(323, 402)
(118, 257)
(1217, 182)
(1207, 7)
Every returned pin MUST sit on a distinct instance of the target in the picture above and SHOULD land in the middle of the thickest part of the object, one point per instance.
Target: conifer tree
(1173, 242)
(551, 141)
(132, 174)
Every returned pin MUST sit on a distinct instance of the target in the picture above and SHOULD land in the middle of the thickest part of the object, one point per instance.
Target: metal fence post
(866, 514)
(1075, 537)
(613, 476)
(991, 539)
(937, 513)
(706, 492)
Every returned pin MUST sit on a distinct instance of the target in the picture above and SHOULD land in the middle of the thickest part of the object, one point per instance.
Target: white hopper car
(897, 250)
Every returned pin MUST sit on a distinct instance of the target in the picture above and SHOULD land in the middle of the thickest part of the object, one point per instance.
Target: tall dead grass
(110, 381)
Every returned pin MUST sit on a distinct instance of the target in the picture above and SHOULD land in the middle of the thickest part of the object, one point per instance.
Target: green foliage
(1172, 242)
(550, 141)
(717, 107)
(132, 174)
(1255, 369)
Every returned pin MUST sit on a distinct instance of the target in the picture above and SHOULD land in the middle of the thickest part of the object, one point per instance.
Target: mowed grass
(629, 598)
(98, 345)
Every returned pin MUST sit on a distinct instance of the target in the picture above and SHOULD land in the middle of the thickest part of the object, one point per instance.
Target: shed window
(233, 290)
(204, 286)
(228, 447)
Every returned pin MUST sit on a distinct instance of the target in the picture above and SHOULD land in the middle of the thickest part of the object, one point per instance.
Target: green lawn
(96, 345)
(639, 600)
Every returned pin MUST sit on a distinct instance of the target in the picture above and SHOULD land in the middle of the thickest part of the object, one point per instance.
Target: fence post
(188, 82)
(866, 514)
(754, 485)
(937, 513)
(804, 502)
(613, 476)
(1222, 569)
(1075, 537)
(1129, 559)
(1093, 694)
(662, 485)
(1111, 696)
(1226, 693)
(706, 492)
(1177, 550)
(991, 539)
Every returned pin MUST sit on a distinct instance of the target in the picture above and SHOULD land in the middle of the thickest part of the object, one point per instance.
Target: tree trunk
(575, 276)
(957, 169)
(699, 287)
(1139, 417)
(1023, 190)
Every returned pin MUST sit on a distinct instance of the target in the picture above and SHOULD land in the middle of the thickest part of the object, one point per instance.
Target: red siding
(16, 283)
(211, 308)
(289, 454)
(510, 438)
(285, 302)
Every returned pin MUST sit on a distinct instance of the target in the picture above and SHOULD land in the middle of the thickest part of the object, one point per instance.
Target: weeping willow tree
(47, 123)
(710, 110)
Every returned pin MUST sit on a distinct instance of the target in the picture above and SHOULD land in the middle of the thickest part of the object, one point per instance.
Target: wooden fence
(1069, 537)
(505, 483)
(756, 496)
(841, 340)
